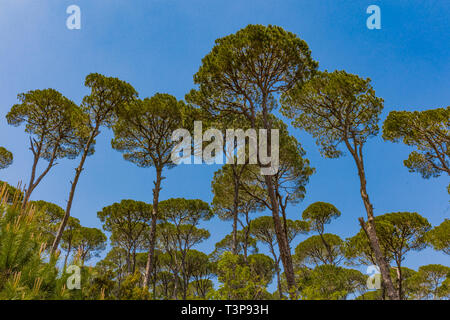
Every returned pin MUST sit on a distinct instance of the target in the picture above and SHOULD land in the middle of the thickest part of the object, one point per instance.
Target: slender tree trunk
(152, 236)
(185, 283)
(30, 186)
(327, 247)
(69, 248)
(283, 243)
(175, 287)
(369, 226)
(33, 181)
(400, 280)
(245, 244)
(184, 274)
(235, 213)
(128, 261)
(134, 260)
(78, 171)
(282, 240)
(277, 266)
(36, 155)
(283, 213)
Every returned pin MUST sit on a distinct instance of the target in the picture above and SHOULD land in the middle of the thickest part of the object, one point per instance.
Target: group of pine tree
(242, 81)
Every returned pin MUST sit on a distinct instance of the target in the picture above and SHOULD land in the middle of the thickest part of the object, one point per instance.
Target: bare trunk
(245, 242)
(283, 243)
(282, 240)
(78, 171)
(400, 280)
(128, 262)
(134, 261)
(175, 287)
(369, 226)
(327, 247)
(69, 248)
(277, 266)
(33, 181)
(30, 186)
(234, 247)
(185, 280)
(152, 236)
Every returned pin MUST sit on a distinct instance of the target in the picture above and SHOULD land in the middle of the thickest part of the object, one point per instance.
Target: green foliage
(223, 189)
(245, 244)
(144, 130)
(237, 280)
(89, 243)
(318, 214)
(398, 233)
(401, 232)
(48, 215)
(371, 295)
(24, 271)
(334, 107)
(439, 237)
(131, 290)
(262, 266)
(51, 120)
(228, 78)
(329, 282)
(115, 263)
(107, 98)
(431, 282)
(321, 249)
(262, 228)
(407, 279)
(6, 158)
(184, 211)
(127, 222)
(13, 194)
(199, 271)
(429, 132)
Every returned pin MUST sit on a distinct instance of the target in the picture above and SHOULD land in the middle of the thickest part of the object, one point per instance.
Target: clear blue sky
(157, 46)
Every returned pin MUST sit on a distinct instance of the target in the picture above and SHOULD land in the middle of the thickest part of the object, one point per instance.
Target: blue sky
(157, 46)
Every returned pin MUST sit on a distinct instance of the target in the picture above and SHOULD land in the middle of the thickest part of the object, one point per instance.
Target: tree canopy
(429, 132)
(6, 158)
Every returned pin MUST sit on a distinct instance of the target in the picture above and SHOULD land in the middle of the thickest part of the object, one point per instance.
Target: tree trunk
(283, 243)
(175, 287)
(328, 248)
(282, 240)
(400, 281)
(34, 183)
(30, 184)
(152, 236)
(234, 247)
(134, 260)
(277, 266)
(128, 261)
(369, 227)
(78, 171)
(69, 248)
(36, 155)
(245, 242)
(280, 291)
